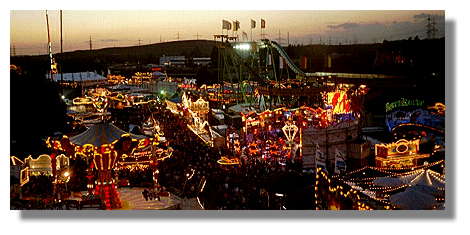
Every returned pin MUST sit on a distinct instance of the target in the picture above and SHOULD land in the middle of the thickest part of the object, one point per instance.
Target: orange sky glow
(28, 31)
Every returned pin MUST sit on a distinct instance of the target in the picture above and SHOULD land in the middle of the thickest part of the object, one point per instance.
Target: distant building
(176, 61)
(202, 61)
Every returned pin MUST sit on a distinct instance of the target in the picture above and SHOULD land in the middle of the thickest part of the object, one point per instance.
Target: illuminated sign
(403, 103)
(339, 101)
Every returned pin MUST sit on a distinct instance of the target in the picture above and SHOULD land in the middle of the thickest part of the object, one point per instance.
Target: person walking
(145, 193)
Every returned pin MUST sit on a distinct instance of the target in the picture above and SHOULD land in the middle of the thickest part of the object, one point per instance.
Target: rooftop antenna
(49, 46)
(61, 49)
(91, 46)
(288, 42)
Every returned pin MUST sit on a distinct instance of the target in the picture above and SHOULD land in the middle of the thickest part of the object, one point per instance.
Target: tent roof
(425, 177)
(388, 182)
(242, 108)
(99, 134)
(77, 77)
(157, 73)
(413, 200)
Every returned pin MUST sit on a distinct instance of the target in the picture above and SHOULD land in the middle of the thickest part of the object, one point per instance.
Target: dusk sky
(28, 31)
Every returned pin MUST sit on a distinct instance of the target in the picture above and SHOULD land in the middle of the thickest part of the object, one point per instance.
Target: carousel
(108, 149)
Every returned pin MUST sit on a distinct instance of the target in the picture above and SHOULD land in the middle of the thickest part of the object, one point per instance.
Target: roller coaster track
(284, 55)
(301, 73)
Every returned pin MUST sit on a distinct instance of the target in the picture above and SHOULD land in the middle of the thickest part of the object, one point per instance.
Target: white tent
(77, 77)
(412, 199)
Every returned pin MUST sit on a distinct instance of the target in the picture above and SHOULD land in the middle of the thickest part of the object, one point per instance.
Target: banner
(263, 23)
(340, 162)
(226, 25)
(320, 158)
(236, 25)
(253, 24)
(339, 102)
(281, 62)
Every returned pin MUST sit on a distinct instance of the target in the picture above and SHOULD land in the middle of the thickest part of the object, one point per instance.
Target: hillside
(100, 59)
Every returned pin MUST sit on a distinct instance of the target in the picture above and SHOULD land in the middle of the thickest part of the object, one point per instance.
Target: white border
(454, 11)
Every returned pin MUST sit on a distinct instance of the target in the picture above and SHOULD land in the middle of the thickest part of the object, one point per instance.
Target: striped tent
(99, 134)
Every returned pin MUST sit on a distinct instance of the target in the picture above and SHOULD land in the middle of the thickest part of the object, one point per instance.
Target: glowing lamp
(243, 47)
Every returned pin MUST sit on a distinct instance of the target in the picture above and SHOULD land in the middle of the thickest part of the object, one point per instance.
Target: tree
(37, 111)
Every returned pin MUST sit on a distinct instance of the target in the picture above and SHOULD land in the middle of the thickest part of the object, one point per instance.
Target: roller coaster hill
(251, 69)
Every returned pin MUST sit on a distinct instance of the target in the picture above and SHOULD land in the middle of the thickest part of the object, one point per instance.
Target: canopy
(99, 134)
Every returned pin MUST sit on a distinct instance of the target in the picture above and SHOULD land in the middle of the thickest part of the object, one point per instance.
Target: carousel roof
(99, 134)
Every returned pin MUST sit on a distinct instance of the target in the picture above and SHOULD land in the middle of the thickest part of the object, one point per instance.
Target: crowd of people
(193, 171)
(152, 193)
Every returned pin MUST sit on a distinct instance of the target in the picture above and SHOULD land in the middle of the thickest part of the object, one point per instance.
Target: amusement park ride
(263, 68)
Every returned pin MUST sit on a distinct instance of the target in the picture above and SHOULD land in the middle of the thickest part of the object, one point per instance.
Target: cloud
(345, 26)
(352, 32)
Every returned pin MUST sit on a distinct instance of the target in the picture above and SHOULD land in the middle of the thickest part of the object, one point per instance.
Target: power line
(197, 36)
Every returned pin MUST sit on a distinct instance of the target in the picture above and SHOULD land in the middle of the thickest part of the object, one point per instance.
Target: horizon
(108, 29)
(291, 44)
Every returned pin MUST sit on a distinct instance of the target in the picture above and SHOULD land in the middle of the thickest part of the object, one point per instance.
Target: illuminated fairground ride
(108, 149)
(278, 134)
(248, 70)
(404, 177)
(92, 108)
(383, 188)
(246, 66)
